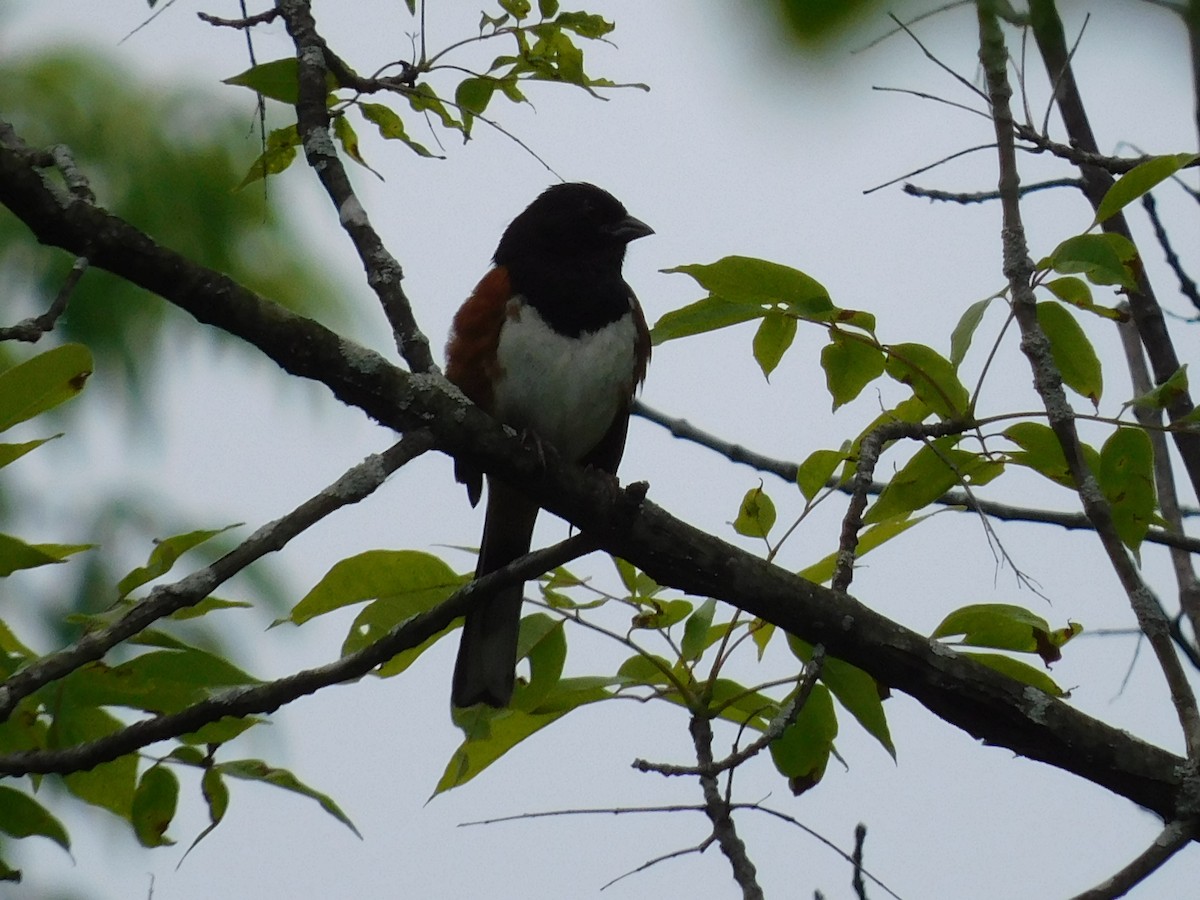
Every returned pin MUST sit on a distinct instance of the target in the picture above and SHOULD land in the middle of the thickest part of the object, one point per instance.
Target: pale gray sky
(736, 149)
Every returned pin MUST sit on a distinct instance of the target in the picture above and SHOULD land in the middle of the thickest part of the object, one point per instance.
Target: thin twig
(1018, 269)
(267, 697)
(357, 483)
(856, 880)
(384, 273)
(786, 470)
(717, 810)
(1187, 286)
(984, 196)
(776, 727)
(32, 329)
(1170, 841)
(262, 18)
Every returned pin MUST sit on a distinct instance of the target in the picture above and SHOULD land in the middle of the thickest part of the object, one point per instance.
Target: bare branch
(384, 273)
(1187, 285)
(262, 18)
(986, 704)
(354, 485)
(1164, 361)
(984, 196)
(268, 697)
(32, 329)
(776, 727)
(718, 811)
(1170, 841)
(1018, 269)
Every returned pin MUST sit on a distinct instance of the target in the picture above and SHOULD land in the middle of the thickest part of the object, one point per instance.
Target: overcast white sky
(738, 148)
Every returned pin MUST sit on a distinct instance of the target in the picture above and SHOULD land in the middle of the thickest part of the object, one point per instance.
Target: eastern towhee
(553, 343)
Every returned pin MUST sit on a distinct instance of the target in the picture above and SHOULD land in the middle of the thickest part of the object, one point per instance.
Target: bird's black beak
(629, 229)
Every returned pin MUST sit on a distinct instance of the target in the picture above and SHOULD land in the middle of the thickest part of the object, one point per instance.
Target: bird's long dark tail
(487, 651)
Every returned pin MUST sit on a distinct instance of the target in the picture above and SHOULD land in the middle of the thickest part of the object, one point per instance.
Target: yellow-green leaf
(1073, 353)
(42, 382)
(1138, 180)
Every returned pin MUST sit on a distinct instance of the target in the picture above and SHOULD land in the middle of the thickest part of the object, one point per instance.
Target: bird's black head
(571, 220)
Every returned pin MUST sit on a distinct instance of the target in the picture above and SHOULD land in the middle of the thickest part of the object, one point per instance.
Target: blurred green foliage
(166, 159)
(814, 23)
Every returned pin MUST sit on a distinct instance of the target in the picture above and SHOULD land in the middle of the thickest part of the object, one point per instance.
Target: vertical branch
(1164, 477)
(1018, 269)
(717, 809)
(1147, 314)
(384, 273)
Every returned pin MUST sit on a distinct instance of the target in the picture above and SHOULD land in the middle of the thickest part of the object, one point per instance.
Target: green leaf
(12, 452)
(696, 630)
(518, 9)
(345, 134)
(1101, 258)
(815, 472)
(408, 580)
(543, 641)
(42, 383)
(1041, 451)
(257, 770)
(744, 280)
(934, 469)
(547, 8)
(278, 79)
(710, 314)
(964, 331)
(164, 556)
(109, 785)
(1002, 626)
(423, 98)
(584, 24)
(761, 632)
(221, 731)
(473, 95)
(1126, 476)
(1166, 393)
(773, 338)
(1076, 292)
(1022, 672)
(802, 752)
(931, 376)
(850, 364)
(21, 816)
(822, 571)
(662, 614)
(642, 669)
(154, 804)
(391, 126)
(280, 152)
(1072, 351)
(493, 733)
(207, 605)
(16, 554)
(1138, 180)
(858, 692)
(756, 515)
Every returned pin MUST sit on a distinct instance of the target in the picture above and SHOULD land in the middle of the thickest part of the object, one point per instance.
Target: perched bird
(553, 343)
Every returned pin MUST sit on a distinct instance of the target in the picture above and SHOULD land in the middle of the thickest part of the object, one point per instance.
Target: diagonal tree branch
(1170, 841)
(981, 701)
(1018, 269)
(265, 698)
(354, 485)
(384, 273)
(686, 431)
(1147, 314)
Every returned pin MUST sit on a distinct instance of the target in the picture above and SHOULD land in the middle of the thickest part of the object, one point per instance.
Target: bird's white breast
(566, 389)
